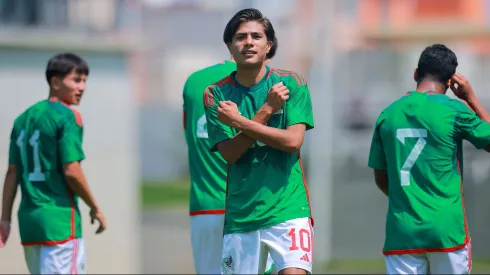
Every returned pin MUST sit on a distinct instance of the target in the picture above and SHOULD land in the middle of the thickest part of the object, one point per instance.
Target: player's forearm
(233, 149)
(9, 192)
(381, 179)
(480, 111)
(77, 182)
(284, 140)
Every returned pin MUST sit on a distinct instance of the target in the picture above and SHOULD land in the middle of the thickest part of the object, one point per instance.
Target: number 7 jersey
(44, 138)
(418, 140)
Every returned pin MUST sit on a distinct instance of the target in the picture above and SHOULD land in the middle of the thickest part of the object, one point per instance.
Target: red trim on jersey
(208, 97)
(306, 188)
(72, 222)
(207, 212)
(298, 78)
(208, 93)
(449, 249)
(270, 73)
(78, 115)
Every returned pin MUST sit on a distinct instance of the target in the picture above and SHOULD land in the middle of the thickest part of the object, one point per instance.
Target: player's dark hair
(437, 61)
(244, 16)
(62, 64)
(272, 51)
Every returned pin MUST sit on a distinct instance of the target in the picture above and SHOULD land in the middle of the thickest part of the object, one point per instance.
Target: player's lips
(249, 53)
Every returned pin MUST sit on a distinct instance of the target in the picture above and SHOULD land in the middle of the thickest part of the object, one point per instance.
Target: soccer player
(44, 159)
(257, 118)
(416, 154)
(207, 171)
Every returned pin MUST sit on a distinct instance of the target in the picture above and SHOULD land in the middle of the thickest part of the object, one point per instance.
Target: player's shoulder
(290, 78)
(217, 90)
(460, 106)
(203, 75)
(30, 112)
(65, 111)
(221, 85)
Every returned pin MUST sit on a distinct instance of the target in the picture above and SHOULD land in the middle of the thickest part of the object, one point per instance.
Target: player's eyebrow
(252, 33)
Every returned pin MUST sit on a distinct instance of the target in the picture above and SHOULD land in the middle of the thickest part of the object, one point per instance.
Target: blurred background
(357, 55)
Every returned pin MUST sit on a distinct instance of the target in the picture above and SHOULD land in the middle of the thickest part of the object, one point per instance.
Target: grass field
(175, 194)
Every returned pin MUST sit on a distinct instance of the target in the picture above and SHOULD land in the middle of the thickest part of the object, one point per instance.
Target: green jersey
(44, 138)
(207, 169)
(418, 141)
(265, 186)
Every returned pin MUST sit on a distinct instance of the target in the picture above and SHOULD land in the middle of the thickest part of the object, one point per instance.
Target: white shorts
(456, 262)
(66, 258)
(290, 245)
(207, 244)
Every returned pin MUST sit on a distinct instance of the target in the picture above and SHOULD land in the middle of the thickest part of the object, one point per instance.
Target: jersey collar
(255, 87)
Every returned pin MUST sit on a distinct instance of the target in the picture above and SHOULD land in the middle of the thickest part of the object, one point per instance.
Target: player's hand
(278, 94)
(463, 90)
(228, 112)
(96, 214)
(4, 232)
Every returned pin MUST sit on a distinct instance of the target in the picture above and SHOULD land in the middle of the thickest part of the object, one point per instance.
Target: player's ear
(416, 74)
(55, 82)
(228, 45)
(269, 46)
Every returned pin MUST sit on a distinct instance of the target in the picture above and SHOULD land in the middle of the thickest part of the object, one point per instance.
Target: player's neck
(52, 94)
(429, 85)
(250, 76)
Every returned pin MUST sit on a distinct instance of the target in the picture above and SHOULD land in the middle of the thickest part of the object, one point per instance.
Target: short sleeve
(14, 153)
(299, 109)
(70, 142)
(217, 131)
(377, 157)
(471, 128)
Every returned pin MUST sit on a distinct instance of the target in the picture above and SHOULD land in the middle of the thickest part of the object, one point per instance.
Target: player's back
(207, 169)
(48, 209)
(422, 135)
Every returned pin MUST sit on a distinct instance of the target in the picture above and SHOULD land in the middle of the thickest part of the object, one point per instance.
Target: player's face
(72, 87)
(249, 45)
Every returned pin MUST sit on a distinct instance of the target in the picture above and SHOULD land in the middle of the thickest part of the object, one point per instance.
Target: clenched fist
(228, 112)
(278, 94)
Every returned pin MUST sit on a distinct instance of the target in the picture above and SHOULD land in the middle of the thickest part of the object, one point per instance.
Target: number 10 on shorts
(303, 237)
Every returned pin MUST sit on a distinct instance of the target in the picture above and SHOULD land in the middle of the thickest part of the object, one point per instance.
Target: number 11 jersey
(418, 140)
(44, 138)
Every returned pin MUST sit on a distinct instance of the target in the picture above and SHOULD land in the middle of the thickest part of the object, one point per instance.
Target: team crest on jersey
(227, 265)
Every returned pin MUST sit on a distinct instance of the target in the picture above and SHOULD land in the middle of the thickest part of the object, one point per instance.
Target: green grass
(171, 194)
(378, 267)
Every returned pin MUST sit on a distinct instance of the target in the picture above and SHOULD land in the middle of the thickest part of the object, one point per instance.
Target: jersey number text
(401, 134)
(37, 174)
(202, 130)
(304, 240)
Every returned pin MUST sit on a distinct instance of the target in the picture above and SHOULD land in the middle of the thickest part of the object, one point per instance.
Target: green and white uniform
(266, 188)
(207, 173)
(418, 141)
(44, 138)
